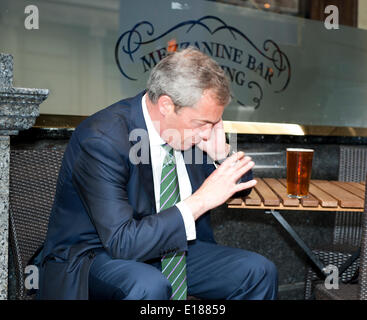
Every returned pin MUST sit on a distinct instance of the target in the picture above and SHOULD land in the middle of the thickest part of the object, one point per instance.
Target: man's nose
(206, 132)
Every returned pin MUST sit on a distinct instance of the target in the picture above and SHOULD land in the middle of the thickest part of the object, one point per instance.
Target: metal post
(299, 241)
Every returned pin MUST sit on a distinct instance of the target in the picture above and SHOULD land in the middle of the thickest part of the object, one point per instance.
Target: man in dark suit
(120, 221)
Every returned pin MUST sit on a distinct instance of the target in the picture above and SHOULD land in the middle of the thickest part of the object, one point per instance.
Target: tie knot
(168, 148)
(169, 158)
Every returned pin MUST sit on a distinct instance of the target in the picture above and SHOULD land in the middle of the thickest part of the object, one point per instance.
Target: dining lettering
(221, 51)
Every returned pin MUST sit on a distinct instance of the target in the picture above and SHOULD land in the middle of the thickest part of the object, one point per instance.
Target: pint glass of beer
(299, 167)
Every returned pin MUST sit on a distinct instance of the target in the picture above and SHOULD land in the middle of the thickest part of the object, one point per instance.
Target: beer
(299, 167)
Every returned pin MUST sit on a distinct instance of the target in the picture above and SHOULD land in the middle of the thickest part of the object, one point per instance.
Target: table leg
(299, 241)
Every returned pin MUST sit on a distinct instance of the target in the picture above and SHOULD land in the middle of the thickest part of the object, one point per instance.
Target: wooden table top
(270, 193)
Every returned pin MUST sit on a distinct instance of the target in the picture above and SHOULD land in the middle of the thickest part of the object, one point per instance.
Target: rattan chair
(356, 291)
(33, 176)
(347, 228)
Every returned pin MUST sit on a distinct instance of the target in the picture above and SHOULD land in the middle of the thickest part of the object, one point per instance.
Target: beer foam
(300, 150)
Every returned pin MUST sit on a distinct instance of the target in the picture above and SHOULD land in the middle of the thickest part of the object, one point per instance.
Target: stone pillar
(19, 108)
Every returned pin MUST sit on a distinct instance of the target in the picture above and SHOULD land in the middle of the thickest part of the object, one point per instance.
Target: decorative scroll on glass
(250, 68)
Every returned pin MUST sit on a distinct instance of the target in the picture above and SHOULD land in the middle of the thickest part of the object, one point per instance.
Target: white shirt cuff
(188, 219)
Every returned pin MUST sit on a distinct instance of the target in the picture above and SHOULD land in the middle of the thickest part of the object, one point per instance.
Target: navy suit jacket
(105, 202)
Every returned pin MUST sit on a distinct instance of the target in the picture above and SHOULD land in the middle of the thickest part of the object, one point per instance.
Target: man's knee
(156, 287)
(259, 281)
(263, 270)
(264, 276)
(270, 271)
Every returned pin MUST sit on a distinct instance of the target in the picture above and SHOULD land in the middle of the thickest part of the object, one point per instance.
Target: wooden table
(271, 195)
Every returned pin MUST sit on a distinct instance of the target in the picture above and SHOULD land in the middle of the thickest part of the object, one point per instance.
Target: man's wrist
(196, 205)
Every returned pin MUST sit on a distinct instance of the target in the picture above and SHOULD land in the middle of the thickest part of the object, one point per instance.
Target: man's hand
(216, 146)
(221, 184)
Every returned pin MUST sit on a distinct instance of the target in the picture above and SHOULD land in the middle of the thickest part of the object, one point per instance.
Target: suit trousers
(213, 272)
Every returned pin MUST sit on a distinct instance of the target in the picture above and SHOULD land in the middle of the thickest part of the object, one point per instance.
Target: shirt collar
(154, 137)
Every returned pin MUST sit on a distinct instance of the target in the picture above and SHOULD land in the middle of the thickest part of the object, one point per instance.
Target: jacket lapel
(145, 169)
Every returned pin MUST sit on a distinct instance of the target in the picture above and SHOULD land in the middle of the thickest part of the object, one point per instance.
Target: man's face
(190, 125)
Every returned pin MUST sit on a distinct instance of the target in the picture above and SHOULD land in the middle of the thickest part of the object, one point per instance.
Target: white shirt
(157, 154)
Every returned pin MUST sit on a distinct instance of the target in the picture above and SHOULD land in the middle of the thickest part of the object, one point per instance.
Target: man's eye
(199, 124)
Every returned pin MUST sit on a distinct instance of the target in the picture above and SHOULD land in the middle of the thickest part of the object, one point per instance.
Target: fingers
(240, 163)
(237, 165)
(242, 167)
(232, 160)
(245, 185)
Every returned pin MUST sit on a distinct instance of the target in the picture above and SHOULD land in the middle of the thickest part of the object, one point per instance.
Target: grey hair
(184, 75)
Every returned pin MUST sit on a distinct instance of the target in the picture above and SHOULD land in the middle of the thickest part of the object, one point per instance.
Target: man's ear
(165, 105)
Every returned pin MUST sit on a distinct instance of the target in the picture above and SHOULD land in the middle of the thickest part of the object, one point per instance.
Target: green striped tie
(174, 264)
